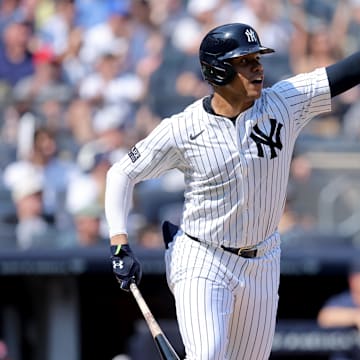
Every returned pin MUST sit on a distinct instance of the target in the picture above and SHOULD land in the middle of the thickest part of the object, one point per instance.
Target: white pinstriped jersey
(235, 175)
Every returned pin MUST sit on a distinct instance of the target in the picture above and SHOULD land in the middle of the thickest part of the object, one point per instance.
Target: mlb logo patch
(134, 154)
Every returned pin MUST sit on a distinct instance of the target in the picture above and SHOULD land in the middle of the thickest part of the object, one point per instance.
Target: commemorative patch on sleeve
(134, 154)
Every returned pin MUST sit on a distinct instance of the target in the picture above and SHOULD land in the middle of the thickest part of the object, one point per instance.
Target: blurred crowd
(82, 80)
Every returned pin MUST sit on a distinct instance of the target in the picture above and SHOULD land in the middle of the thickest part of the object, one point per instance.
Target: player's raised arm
(344, 74)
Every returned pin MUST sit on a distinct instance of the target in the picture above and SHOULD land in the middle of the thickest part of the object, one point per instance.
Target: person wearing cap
(88, 223)
(56, 172)
(33, 227)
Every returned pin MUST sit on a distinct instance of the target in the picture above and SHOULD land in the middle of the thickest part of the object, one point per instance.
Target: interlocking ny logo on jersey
(250, 34)
(261, 139)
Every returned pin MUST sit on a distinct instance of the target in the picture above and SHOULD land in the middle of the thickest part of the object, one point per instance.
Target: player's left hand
(126, 267)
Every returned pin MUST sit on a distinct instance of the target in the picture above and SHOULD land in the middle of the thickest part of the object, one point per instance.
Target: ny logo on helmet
(117, 264)
(251, 36)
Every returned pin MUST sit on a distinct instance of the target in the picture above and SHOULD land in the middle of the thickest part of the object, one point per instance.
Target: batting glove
(126, 267)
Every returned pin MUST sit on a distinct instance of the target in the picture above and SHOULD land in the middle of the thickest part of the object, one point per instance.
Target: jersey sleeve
(153, 155)
(307, 95)
(149, 158)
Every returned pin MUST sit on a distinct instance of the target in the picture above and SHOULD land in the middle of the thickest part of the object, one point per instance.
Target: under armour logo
(118, 264)
(251, 36)
(261, 139)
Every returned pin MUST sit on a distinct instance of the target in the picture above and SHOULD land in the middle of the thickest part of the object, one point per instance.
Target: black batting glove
(126, 267)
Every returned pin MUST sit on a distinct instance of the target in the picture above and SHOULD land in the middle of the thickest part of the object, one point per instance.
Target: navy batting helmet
(227, 42)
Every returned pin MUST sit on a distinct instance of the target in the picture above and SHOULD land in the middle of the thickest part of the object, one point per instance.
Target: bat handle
(153, 325)
(166, 350)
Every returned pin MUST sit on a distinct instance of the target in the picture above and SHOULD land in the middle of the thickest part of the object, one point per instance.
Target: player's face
(250, 76)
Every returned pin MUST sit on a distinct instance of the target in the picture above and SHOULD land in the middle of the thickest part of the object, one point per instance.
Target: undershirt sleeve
(344, 74)
(118, 198)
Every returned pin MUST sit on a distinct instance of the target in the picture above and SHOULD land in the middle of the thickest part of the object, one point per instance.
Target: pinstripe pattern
(226, 305)
(233, 197)
(235, 187)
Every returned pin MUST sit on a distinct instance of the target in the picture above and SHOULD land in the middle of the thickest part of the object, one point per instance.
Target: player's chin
(255, 89)
(254, 93)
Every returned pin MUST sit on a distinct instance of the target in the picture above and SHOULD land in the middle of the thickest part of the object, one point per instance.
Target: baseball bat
(166, 351)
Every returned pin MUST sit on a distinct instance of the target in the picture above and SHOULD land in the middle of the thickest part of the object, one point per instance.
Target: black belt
(248, 253)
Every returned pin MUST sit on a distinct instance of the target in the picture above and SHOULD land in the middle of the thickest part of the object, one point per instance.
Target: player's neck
(228, 108)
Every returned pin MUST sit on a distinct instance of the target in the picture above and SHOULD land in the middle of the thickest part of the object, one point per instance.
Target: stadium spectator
(324, 41)
(109, 143)
(78, 121)
(342, 311)
(88, 187)
(166, 14)
(55, 30)
(274, 28)
(178, 75)
(111, 85)
(45, 83)
(43, 94)
(86, 57)
(111, 134)
(87, 228)
(33, 227)
(16, 59)
(108, 36)
(142, 28)
(55, 172)
(73, 69)
(188, 32)
(86, 191)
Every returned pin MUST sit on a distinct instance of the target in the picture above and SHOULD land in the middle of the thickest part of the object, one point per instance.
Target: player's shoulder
(272, 95)
(185, 121)
(301, 81)
(195, 106)
(192, 111)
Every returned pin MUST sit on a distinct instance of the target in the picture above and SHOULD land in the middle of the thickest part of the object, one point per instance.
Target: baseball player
(234, 148)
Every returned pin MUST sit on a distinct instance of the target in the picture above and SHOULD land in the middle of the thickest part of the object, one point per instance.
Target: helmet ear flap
(229, 71)
(218, 72)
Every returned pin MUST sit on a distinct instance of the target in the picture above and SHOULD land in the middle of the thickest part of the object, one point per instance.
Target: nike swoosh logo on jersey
(193, 137)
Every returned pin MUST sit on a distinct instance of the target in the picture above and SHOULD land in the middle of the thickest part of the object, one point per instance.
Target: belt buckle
(245, 249)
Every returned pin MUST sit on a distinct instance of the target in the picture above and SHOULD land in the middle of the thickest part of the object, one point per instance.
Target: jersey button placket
(241, 133)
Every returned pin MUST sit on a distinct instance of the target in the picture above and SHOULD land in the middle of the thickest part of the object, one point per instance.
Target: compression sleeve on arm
(118, 199)
(344, 74)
